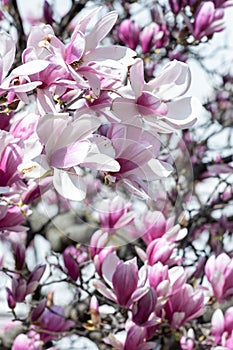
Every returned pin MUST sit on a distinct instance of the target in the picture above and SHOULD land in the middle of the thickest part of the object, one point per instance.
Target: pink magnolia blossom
(154, 100)
(30, 341)
(149, 36)
(128, 32)
(222, 326)
(68, 144)
(208, 20)
(75, 65)
(153, 224)
(21, 287)
(187, 341)
(136, 151)
(165, 281)
(11, 155)
(160, 250)
(12, 216)
(118, 274)
(53, 320)
(99, 249)
(144, 307)
(186, 304)
(114, 214)
(18, 81)
(134, 339)
(219, 271)
(176, 5)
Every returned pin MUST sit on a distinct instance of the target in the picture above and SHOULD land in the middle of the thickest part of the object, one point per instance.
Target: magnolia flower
(53, 321)
(154, 100)
(19, 79)
(149, 36)
(222, 326)
(68, 144)
(219, 271)
(21, 287)
(119, 274)
(135, 338)
(187, 341)
(114, 214)
(152, 225)
(11, 155)
(128, 32)
(176, 5)
(29, 341)
(207, 20)
(75, 65)
(136, 151)
(184, 305)
(99, 249)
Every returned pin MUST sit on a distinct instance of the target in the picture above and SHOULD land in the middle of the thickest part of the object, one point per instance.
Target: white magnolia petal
(69, 185)
(71, 155)
(125, 109)
(101, 162)
(100, 30)
(108, 52)
(109, 266)
(183, 112)
(50, 128)
(137, 77)
(31, 67)
(173, 81)
(7, 52)
(78, 130)
(45, 101)
(101, 144)
(25, 87)
(34, 169)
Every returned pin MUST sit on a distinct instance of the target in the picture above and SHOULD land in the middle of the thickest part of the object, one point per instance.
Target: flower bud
(71, 263)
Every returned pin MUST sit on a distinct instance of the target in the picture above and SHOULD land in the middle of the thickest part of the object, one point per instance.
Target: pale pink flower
(136, 151)
(187, 341)
(30, 341)
(12, 216)
(99, 249)
(68, 144)
(135, 338)
(114, 214)
(186, 304)
(149, 36)
(154, 100)
(11, 155)
(219, 271)
(152, 225)
(222, 326)
(53, 320)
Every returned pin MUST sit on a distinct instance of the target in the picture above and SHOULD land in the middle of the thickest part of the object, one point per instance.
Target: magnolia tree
(115, 202)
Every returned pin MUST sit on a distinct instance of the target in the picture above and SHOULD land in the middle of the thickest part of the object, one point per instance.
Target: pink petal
(100, 30)
(136, 77)
(71, 155)
(31, 67)
(108, 52)
(101, 162)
